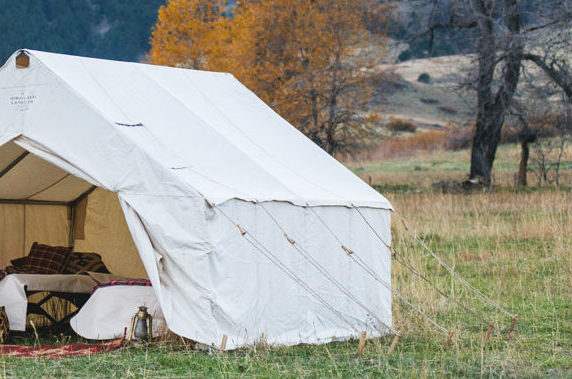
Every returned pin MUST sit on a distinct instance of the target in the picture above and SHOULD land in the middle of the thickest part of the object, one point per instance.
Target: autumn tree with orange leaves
(187, 33)
(308, 59)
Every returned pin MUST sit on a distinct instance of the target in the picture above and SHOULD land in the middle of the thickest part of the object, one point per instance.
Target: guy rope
(352, 254)
(257, 245)
(452, 272)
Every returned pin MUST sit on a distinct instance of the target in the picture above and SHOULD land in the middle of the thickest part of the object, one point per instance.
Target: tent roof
(206, 128)
(26, 177)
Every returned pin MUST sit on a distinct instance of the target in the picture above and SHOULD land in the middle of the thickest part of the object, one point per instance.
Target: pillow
(45, 259)
(83, 262)
(19, 263)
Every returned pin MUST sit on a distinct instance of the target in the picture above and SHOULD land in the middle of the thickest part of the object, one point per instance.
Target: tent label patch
(22, 101)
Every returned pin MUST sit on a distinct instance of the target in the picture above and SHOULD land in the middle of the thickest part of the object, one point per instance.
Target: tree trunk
(523, 166)
(491, 107)
(331, 128)
(333, 108)
(487, 137)
(315, 129)
(485, 129)
(526, 137)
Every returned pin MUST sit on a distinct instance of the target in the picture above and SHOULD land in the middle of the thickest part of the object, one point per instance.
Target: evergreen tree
(112, 29)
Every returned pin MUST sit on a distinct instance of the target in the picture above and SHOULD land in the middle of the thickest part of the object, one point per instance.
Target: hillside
(111, 29)
(442, 98)
(431, 103)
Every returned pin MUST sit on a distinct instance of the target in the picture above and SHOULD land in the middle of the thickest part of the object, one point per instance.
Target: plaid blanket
(130, 282)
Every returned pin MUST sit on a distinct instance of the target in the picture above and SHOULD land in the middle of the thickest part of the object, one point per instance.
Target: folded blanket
(126, 282)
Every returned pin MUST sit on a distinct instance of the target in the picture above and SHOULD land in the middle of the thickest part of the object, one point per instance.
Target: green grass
(516, 246)
(420, 171)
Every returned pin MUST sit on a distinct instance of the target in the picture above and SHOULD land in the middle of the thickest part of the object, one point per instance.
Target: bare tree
(508, 33)
(492, 104)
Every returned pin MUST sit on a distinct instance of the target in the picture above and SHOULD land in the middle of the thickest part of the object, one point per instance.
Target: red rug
(63, 351)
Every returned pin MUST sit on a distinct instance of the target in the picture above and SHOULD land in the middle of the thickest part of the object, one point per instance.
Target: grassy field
(515, 246)
(420, 171)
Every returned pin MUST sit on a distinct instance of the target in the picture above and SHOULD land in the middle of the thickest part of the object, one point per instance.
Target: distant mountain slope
(112, 29)
(430, 103)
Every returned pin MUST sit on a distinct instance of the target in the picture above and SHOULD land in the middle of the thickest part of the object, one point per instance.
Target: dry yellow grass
(523, 215)
(517, 248)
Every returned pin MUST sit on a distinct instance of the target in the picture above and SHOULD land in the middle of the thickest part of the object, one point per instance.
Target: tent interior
(40, 202)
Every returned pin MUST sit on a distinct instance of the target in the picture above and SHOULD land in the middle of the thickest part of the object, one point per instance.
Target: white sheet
(109, 310)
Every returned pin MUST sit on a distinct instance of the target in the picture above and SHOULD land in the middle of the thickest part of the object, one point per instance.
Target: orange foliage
(305, 58)
(184, 33)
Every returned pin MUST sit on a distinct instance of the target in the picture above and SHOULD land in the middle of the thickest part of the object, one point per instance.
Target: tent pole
(13, 163)
(33, 202)
(72, 224)
(84, 195)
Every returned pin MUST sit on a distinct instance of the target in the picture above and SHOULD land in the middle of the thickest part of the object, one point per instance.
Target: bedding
(52, 284)
(110, 308)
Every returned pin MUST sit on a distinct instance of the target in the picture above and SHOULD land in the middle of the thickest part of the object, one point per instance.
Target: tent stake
(394, 343)
(511, 328)
(222, 348)
(361, 343)
(449, 337)
(488, 335)
(263, 339)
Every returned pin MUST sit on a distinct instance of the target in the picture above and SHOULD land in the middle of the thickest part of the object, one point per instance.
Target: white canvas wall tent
(244, 226)
(186, 152)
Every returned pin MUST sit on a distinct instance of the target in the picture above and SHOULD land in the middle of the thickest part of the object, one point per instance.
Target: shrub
(399, 125)
(449, 109)
(452, 137)
(406, 145)
(424, 78)
(511, 134)
(459, 137)
(428, 100)
(404, 56)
